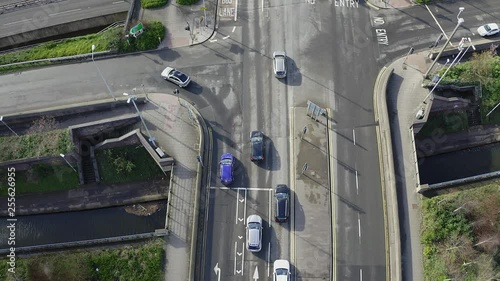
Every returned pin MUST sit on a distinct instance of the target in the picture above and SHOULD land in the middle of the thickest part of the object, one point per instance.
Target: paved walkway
(177, 17)
(390, 4)
(311, 251)
(177, 133)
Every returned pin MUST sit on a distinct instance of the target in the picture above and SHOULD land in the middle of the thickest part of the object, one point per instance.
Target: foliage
(149, 4)
(186, 2)
(447, 122)
(153, 33)
(136, 159)
(41, 178)
(138, 263)
(42, 139)
(458, 234)
(423, 1)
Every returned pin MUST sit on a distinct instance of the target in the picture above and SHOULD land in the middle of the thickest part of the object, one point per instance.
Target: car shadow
(194, 88)
(272, 159)
(293, 76)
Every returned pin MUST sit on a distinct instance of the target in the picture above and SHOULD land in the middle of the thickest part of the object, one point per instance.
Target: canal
(460, 164)
(81, 225)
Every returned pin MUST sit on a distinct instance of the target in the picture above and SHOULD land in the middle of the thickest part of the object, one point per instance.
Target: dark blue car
(226, 168)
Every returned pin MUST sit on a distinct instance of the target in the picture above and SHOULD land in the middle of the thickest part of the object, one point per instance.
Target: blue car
(226, 168)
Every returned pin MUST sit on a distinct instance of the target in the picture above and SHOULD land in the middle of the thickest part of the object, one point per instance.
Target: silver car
(254, 233)
(279, 64)
(175, 76)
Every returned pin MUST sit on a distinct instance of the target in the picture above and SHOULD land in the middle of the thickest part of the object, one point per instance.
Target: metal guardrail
(113, 25)
(81, 56)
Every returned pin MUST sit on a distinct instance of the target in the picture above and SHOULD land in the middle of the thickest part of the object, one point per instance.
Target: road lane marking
(15, 22)
(269, 209)
(236, 10)
(268, 258)
(241, 188)
(234, 27)
(117, 2)
(212, 40)
(256, 274)
(357, 183)
(242, 259)
(359, 228)
(292, 188)
(64, 12)
(225, 37)
(353, 137)
(217, 271)
(360, 274)
(235, 245)
(245, 210)
(237, 205)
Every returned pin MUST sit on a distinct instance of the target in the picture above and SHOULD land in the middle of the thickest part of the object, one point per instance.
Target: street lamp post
(460, 21)
(460, 10)
(62, 155)
(100, 74)
(132, 99)
(1, 119)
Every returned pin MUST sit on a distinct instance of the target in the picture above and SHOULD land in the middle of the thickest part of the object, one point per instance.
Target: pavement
(390, 4)
(311, 237)
(177, 17)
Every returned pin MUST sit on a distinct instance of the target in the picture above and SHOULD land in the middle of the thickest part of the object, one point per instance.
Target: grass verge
(126, 164)
(150, 4)
(41, 178)
(143, 263)
(35, 144)
(112, 39)
(460, 234)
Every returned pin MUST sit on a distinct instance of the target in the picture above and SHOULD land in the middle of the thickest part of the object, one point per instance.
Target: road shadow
(297, 213)
(168, 55)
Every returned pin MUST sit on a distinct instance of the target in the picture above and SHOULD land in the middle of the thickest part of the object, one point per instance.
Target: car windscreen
(180, 75)
(254, 225)
(281, 271)
(226, 162)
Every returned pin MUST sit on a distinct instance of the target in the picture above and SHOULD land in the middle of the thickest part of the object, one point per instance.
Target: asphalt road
(34, 17)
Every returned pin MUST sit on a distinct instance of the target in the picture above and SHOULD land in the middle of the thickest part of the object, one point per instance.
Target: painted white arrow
(239, 254)
(240, 237)
(256, 274)
(217, 271)
(242, 200)
(240, 219)
(238, 271)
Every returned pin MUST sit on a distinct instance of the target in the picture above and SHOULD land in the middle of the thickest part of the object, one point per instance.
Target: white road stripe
(225, 37)
(357, 182)
(236, 10)
(234, 27)
(242, 258)
(268, 258)
(245, 210)
(269, 211)
(360, 274)
(15, 22)
(235, 245)
(117, 2)
(359, 228)
(237, 205)
(65, 12)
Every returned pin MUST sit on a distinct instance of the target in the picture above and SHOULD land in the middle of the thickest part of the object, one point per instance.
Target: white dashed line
(359, 228)
(234, 27)
(117, 2)
(236, 10)
(15, 22)
(213, 40)
(225, 37)
(65, 12)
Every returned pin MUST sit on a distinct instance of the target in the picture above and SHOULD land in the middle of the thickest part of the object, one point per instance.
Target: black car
(257, 146)
(281, 199)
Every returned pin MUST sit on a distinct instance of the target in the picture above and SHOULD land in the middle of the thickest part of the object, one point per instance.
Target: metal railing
(81, 56)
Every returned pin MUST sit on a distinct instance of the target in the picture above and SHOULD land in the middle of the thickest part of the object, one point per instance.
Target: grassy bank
(112, 39)
(126, 164)
(460, 234)
(143, 263)
(41, 178)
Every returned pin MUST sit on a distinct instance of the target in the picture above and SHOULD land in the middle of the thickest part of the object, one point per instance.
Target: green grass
(38, 144)
(41, 178)
(452, 226)
(143, 263)
(446, 122)
(150, 4)
(145, 168)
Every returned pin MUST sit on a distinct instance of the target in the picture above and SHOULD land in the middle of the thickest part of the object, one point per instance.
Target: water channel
(81, 225)
(460, 164)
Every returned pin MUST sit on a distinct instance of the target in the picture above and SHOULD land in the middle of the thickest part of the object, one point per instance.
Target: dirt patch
(143, 209)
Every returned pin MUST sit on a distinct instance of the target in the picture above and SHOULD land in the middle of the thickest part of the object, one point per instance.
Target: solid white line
(11, 23)
(268, 258)
(357, 182)
(359, 228)
(117, 2)
(354, 136)
(235, 245)
(245, 210)
(360, 274)
(225, 37)
(241, 188)
(236, 10)
(269, 209)
(242, 258)
(65, 12)
(237, 205)
(234, 27)
(262, 6)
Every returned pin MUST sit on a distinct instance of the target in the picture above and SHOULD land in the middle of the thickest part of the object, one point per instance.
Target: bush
(149, 4)
(147, 40)
(186, 2)
(423, 1)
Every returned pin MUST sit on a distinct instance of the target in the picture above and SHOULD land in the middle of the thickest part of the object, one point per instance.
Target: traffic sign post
(304, 168)
(304, 131)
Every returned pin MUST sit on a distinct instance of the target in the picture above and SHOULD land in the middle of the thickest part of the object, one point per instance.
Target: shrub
(186, 2)
(146, 41)
(423, 1)
(149, 4)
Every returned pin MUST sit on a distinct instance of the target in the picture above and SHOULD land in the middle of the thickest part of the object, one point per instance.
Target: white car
(279, 64)
(254, 233)
(488, 29)
(175, 76)
(281, 270)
